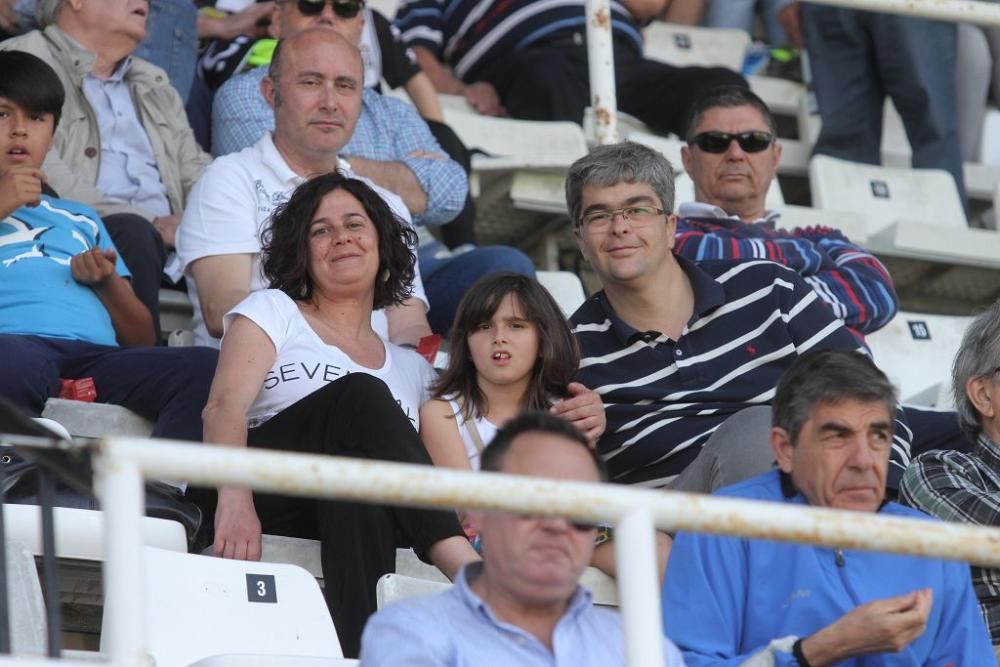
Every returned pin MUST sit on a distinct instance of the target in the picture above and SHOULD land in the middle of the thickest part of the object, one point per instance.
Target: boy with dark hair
(67, 308)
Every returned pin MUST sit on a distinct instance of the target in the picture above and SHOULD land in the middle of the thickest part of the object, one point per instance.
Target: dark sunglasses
(580, 526)
(718, 142)
(344, 9)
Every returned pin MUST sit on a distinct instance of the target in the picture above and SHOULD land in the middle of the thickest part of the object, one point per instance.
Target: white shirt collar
(697, 209)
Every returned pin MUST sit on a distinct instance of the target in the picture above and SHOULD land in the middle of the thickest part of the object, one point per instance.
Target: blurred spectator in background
(955, 486)
(528, 58)
(742, 14)
(857, 58)
(124, 146)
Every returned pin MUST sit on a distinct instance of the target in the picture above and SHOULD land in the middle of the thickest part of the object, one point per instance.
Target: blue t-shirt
(38, 295)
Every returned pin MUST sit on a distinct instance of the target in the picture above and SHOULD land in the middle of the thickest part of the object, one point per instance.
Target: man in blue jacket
(726, 599)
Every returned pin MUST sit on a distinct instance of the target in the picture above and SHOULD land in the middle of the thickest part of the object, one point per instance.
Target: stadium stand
(221, 606)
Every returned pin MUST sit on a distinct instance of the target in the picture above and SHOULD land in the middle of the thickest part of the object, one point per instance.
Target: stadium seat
(176, 310)
(885, 195)
(95, 420)
(916, 351)
(565, 288)
(200, 607)
(26, 608)
(676, 44)
(515, 144)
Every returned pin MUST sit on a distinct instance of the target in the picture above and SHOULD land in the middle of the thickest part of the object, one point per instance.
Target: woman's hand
(237, 528)
(584, 409)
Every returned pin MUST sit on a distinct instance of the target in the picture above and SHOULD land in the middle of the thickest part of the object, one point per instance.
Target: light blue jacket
(725, 598)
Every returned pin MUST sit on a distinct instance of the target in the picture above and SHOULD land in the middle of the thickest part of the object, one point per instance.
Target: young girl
(511, 350)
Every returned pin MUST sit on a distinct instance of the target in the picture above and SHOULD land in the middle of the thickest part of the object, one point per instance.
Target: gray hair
(828, 376)
(978, 357)
(46, 12)
(628, 162)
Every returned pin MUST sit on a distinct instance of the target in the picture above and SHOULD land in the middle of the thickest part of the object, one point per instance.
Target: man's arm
(942, 484)
(131, 319)
(222, 282)
(432, 185)
(408, 322)
(481, 95)
(424, 97)
(240, 116)
(244, 22)
(852, 282)
(395, 177)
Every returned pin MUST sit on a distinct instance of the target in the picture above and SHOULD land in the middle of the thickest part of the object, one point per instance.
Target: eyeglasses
(753, 141)
(598, 222)
(344, 9)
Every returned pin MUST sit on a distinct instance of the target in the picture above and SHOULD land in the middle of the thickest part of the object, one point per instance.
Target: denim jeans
(740, 14)
(448, 277)
(858, 58)
(172, 41)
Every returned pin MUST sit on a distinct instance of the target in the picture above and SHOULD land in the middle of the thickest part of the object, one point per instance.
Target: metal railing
(122, 464)
(601, 56)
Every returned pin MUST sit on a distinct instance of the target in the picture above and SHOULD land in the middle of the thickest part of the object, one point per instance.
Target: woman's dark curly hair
(285, 241)
(558, 354)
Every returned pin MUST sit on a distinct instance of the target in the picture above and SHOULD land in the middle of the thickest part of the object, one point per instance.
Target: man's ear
(978, 391)
(781, 443)
(267, 90)
(686, 158)
(274, 28)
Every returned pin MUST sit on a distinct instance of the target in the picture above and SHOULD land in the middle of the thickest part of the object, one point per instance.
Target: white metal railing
(601, 59)
(122, 464)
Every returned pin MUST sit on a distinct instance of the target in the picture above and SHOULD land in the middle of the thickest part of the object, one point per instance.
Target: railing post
(601, 63)
(121, 491)
(638, 592)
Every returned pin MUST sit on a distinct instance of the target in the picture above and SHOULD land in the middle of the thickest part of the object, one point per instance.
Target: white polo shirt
(232, 203)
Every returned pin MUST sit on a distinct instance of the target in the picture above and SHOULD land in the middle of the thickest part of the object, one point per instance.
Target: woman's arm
(439, 431)
(247, 354)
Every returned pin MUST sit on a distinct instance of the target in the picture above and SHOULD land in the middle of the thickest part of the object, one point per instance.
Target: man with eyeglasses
(736, 601)
(686, 356)
(390, 144)
(522, 605)
(732, 157)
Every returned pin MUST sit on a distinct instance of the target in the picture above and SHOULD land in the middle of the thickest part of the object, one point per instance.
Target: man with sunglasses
(732, 157)
(522, 605)
(391, 145)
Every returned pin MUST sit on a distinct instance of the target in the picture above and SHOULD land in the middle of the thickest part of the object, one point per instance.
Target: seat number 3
(261, 588)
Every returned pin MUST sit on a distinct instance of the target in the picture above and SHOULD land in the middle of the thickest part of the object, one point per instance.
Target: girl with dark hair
(511, 350)
(301, 369)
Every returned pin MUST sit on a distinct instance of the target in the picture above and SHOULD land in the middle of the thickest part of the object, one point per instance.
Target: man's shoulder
(242, 87)
(590, 312)
(34, 42)
(765, 486)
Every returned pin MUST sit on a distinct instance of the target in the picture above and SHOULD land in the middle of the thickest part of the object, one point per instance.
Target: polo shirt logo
(751, 349)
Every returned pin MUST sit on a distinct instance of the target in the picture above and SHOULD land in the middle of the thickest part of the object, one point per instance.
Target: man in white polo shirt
(314, 86)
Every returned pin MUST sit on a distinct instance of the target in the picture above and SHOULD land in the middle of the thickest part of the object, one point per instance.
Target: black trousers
(551, 82)
(354, 416)
(141, 248)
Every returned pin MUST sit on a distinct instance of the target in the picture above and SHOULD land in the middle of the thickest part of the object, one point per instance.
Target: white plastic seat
(199, 607)
(916, 351)
(565, 288)
(885, 195)
(517, 144)
(689, 45)
(95, 420)
(79, 532)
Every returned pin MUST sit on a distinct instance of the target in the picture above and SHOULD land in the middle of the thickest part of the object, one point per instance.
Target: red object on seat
(79, 390)
(429, 346)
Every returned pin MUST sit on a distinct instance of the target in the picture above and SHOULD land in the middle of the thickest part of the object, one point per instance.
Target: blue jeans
(166, 385)
(447, 279)
(172, 41)
(858, 58)
(739, 14)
